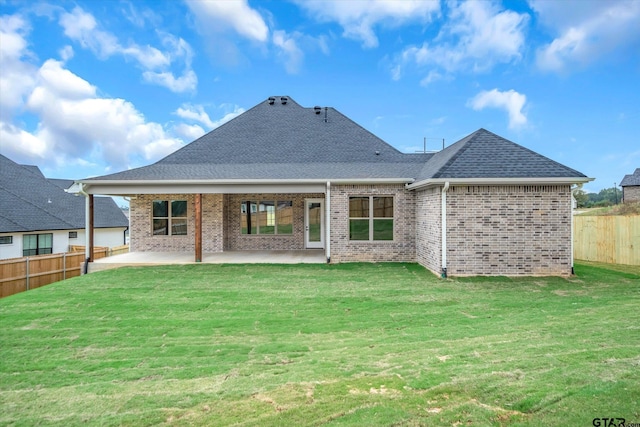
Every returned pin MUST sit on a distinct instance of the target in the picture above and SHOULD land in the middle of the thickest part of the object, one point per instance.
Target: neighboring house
(631, 187)
(37, 215)
(284, 177)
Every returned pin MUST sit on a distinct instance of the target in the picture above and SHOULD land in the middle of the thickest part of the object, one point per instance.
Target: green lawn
(350, 344)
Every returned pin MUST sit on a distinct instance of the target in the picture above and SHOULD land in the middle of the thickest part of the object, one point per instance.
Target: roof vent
(271, 100)
(284, 100)
(317, 109)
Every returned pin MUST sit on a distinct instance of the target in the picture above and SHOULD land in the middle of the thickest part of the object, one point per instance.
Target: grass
(350, 344)
(629, 208)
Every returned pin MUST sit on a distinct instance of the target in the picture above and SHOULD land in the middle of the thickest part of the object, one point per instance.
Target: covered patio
(137, 259)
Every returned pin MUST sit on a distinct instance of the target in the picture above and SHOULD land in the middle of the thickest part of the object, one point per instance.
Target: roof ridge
(464, 146)
(366, 130)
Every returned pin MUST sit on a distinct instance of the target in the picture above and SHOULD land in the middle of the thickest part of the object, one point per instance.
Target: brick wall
(429, 228)
(631, 193)
(509, 230)
(401, 249)
(141, 233)
(212, 223)
(235, 241)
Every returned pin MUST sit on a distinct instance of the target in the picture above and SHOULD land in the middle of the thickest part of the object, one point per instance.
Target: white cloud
(228, 116)
(16, 78)
(185, 83)
(195, 113)
(82, 27)
(66, 53)
(479, 34)
(510, 101)
(289, 50)
(22, 143)
(359, 17)
(433, 76)
(586, 30)
(234, 14)
(189, 132)
(74, 122)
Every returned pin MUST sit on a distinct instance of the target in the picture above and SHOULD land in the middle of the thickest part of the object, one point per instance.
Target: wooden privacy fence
(608, 239)
(101, 252)
(23, 274)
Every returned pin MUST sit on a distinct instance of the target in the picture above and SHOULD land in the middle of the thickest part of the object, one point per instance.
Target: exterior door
(314, 223)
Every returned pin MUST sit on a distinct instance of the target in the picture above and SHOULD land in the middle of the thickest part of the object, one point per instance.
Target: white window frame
(372, 218)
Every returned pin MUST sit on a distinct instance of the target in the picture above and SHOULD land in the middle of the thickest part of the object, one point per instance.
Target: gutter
(497, 181)
(443, 221)
(245, 181)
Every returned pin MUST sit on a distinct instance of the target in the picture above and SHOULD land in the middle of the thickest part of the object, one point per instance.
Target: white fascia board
(75, 188)
(117, 187)
(497, 181)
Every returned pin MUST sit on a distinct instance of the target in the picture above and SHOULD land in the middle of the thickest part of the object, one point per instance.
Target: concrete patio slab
(310, 256)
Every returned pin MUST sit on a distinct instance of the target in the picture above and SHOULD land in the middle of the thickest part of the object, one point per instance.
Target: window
(37, 244)
(266, 217)
(169, 217)
(73, 234)
(6, 240)
(371, 218)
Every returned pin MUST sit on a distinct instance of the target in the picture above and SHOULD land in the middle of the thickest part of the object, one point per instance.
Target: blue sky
(94, 87)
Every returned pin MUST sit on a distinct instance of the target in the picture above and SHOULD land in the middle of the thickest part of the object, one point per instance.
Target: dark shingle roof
(283, 141)
(484, 154)
(631, 180)
(286, 141)
(30, 202)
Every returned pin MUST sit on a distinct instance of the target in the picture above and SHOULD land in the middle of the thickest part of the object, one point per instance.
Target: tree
(605, 197)
(582, 198)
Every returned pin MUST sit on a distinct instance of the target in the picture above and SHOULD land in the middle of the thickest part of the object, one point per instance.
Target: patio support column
(198, 227)
(89, 230)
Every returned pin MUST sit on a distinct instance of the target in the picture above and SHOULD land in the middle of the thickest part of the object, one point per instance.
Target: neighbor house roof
(631, 180)
(280, 140)
(31, 202)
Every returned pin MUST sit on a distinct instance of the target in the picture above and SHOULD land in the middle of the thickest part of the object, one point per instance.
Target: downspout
(576, 188)
(444, 229)
(87, 254)
(327, 221)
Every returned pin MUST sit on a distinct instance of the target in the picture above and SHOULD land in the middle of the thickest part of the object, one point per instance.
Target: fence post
(27, 274)
(64, 266)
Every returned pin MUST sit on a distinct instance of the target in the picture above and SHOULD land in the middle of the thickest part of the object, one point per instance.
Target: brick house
(631, 187)
(284, 177)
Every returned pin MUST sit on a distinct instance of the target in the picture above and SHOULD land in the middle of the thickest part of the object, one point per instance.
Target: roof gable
(484, 154)
(631, 180)
(285, 132)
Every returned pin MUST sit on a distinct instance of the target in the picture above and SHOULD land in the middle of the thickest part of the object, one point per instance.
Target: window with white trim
(169, 217)
(371, 218)
(6, 240)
